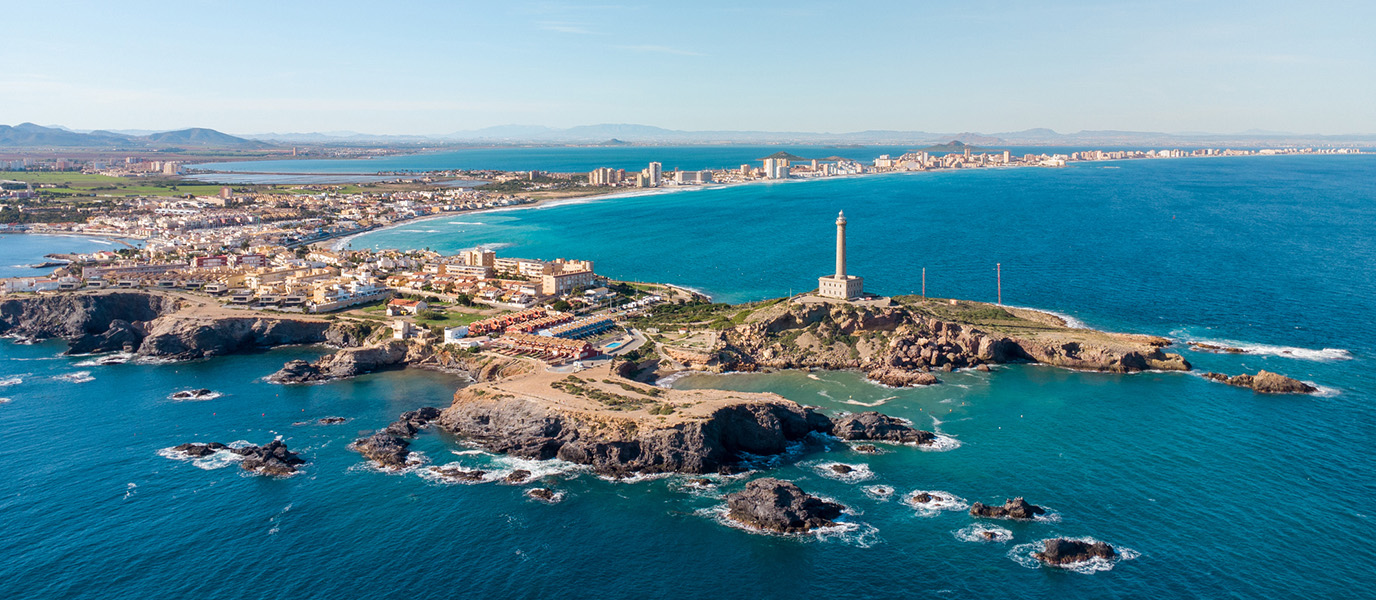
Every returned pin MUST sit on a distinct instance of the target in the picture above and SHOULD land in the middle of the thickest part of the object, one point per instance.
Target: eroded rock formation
(780, 506)
(1264, 382)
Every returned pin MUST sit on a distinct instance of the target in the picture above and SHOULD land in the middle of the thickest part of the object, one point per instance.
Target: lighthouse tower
(840, 285)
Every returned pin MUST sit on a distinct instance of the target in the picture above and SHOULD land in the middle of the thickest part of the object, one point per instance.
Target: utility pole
(999, 267)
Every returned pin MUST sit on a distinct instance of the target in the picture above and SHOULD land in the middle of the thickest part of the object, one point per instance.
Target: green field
(78, 185)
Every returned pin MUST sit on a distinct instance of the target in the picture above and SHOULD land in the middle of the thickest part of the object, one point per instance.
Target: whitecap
(983, 533)
(1295, 352)
(858, 472)
(555, 499)
(862, 535)
(210, 396)
(77, 377)
(880, 492)
(5, 400)
(465, 223)
(11, 380)
(942, 443)
(668, 380)
(105, 360)
(1022, 554)
(940, 501)
(879, 402)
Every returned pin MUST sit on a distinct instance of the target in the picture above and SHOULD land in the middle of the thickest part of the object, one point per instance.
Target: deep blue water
(1218, 492)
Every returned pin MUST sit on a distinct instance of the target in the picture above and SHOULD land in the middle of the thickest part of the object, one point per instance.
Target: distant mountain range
(28, 135)
(650, 135)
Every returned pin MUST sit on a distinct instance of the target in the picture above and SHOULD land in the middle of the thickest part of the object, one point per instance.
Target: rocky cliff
(903, 343)
(89, 322)
(162, 325)
(619, 427)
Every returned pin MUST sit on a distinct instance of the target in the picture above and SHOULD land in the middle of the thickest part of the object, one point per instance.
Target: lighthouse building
(840, 285)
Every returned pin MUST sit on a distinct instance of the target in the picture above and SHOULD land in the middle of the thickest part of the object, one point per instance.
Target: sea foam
(1022, 554)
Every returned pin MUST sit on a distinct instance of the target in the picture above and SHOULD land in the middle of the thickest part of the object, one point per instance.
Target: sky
(416, 67)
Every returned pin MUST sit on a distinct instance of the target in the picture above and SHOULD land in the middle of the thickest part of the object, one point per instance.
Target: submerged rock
(544, 494)
(870, 425)
(331, 420)
(200, 450)
(1062, 551)
(458, 473)
(193, 394)
(517, 476)
(1016, 508)
(841, 469)
(776, 505)
(1264, 382)
(1215, 348)
(866, 448)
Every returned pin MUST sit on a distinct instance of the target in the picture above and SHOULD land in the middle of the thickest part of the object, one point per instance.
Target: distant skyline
(438, 67)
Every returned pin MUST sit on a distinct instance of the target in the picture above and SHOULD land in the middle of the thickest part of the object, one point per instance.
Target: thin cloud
(564, 27)
(661, 50)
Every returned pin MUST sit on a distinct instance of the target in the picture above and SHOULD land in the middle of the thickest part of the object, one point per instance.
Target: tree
(561, 306)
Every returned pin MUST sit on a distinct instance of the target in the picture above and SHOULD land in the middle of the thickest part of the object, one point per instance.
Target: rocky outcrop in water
(390, 447)
(199, 394)
(780, 506)
(1063, 552)
(873, 426)
(343, 364)
(1264, 382)
(272, 458)
(1016, 508)
(531, 429)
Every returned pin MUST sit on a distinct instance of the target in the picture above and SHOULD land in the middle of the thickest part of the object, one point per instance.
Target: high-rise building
(655, 172)
(776, 168)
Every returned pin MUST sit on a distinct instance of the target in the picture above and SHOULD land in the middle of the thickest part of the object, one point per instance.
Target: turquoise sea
(1214, 491)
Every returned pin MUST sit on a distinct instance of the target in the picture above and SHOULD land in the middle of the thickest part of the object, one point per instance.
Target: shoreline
(341, 242)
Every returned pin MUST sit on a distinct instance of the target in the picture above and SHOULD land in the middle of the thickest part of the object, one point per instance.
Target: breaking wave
(77, 377)
(11, 380)
(852, 533)
(857, 472)
(940, 501)
(1022, 554)
(881, 492)
(879, 402)
(1295, 352)
(983, 533)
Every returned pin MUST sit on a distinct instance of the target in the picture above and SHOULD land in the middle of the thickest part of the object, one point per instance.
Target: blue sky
(436, 67)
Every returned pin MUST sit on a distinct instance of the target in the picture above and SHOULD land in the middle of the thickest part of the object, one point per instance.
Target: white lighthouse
(840, 285)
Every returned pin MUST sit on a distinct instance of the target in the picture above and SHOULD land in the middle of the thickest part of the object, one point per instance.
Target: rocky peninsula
(620, 427)
(901, 341)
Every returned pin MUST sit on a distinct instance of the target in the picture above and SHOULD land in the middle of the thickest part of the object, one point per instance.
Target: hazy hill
(29, 135)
